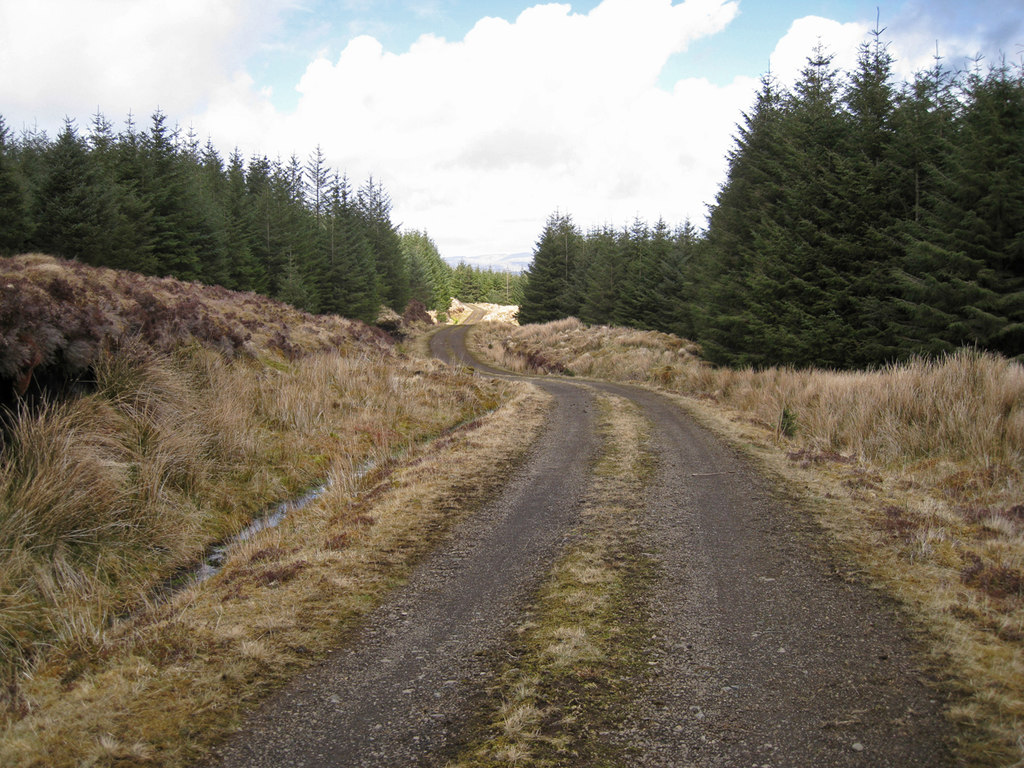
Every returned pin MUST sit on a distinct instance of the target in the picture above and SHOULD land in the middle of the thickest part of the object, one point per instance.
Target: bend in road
(761, 654)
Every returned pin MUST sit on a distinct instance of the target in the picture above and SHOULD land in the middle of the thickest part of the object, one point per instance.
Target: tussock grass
(103, 495)
(170, 681)
(574, 665)
(169, 441)
(917, 468)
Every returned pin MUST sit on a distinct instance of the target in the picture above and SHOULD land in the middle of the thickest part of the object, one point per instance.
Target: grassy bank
(918, 469)
(157, 417)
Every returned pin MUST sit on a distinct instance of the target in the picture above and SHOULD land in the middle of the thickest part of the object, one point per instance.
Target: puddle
(218, 554)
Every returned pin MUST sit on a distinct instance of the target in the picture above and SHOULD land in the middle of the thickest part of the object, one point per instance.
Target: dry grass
(162, 686)
(918, 469)
(575, 658)
(169, 443)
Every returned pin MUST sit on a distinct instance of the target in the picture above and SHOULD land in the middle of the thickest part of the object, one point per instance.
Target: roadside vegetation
(149, 418)
(566, 680)
(917, 468)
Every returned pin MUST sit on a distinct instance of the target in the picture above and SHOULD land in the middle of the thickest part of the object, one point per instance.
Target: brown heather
(918, 469)
(160, 417)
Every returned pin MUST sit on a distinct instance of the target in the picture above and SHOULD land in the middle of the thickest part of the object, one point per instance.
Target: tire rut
(764, 653)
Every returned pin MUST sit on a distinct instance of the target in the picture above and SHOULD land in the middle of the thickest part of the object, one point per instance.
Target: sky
(480, 118)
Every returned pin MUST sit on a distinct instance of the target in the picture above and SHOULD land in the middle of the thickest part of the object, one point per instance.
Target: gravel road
(397, 696)
(763, 653)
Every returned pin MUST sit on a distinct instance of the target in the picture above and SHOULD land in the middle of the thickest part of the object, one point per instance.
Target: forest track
(763, 650)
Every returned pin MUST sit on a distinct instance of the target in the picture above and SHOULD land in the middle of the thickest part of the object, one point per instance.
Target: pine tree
(550, 292)
(374, 204)
(14, 218)
(350, 286)
(604, 269)
(74, 212)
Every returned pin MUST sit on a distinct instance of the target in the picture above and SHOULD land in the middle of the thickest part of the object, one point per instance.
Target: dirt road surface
(763, 652)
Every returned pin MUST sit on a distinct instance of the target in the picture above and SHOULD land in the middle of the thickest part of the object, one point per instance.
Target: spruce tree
(550, 291)
(14, 218)
(374, 205)
(74, 212)
(350, 286)
(175, 228)
(420, 250)
(636, 277)
(989, 189)
(245, 271)
(797, 286)
(724, 315)
(923, 309)
(871, 178)
(603, 276)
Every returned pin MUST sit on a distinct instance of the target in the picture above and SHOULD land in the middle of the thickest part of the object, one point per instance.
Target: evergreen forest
(862, 222)
(158, 202)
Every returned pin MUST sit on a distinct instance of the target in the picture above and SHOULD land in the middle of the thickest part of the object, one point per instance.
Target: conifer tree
(636, 276)
(796, 286)
(987, 187)
(350, 286)
(175, 228)
(246, 273)
(603, 276)
(550, 291)
(74, 213)
(374, 205)
(667, 307)
(14, 218)
(723, 310)
(419, 249)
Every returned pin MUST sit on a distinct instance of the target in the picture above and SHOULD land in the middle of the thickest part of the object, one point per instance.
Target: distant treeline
(155, 201)
(861, 222)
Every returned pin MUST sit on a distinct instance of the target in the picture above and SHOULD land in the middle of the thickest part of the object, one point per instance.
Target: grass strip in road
(565, 683)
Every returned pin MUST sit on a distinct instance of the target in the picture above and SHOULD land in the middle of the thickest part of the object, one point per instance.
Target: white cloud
(479, 140)
(70, 57)
(843, 41)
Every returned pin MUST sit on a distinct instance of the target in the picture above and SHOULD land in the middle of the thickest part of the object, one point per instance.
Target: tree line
(862, 221)
(159, 202)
